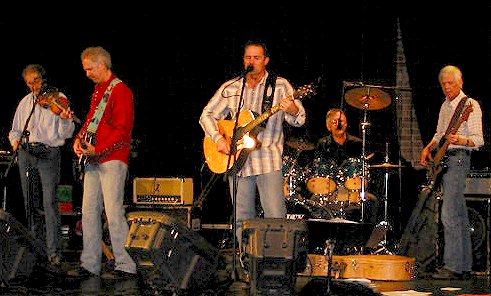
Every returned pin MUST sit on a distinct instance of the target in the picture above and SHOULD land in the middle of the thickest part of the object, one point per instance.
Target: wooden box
(373, 267)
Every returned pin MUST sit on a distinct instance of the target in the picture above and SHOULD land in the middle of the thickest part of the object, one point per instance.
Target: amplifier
(181, 214)
(478, 183)
(163, 191)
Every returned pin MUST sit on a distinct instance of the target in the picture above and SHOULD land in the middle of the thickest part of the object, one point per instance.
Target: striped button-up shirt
(224, 105)
(470, 129)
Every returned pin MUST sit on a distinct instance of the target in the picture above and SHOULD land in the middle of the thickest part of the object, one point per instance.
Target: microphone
(247, 70)
(340, 127)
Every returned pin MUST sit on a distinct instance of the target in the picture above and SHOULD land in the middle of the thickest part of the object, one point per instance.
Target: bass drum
(306, 210)
(297, 211)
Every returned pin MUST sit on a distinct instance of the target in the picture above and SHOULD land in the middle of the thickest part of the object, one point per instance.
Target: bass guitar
(244, 139)
(437, 166)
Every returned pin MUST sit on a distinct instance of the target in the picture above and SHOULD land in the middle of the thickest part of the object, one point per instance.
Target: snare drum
(352, 173)
(322, 177)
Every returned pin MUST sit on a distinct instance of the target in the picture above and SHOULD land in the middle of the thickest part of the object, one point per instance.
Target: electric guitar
(89, 137)
(437, 166)
(244, 139)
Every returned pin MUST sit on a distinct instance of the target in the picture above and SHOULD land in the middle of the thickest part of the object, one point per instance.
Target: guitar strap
(268, 94)
(96, 119)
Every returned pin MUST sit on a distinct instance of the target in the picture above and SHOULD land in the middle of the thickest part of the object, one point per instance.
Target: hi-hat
(367, 98)
(385, 165)
(300, 144)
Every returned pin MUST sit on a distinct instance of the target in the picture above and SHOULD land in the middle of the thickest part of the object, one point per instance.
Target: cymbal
(300, 144)
(367, 98)
(385, 165)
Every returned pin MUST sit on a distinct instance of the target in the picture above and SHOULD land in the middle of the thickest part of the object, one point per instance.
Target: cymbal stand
(291, 190)
(328, 252)
(364, 125)
(385, 223)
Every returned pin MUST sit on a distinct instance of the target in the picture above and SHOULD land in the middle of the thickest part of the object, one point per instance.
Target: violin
(49, 97)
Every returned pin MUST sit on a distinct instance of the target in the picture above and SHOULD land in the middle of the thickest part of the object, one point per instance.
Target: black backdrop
(175, 58)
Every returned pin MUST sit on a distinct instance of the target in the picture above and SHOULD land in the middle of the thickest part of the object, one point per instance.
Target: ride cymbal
(300, 144)
(367, 98)
(385, 165)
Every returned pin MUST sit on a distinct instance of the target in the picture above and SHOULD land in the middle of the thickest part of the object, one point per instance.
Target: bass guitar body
(437, 167)
(219, 162)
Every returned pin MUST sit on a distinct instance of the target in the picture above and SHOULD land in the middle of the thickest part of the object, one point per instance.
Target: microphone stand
(25, 140)
(364, 126)
(234, 178)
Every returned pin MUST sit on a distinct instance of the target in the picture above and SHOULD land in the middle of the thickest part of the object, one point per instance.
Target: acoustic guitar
(437, 166)
(244, 139)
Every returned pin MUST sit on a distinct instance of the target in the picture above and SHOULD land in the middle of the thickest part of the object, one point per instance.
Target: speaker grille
(479, 219)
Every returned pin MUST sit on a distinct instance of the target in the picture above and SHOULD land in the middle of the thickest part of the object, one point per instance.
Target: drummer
(338, 146)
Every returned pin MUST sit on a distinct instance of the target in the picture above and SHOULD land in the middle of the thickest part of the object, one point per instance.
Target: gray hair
(98, 55)
(452, 70)
(34, 68)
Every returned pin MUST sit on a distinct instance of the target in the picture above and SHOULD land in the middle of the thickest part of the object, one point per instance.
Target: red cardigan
(113, 136)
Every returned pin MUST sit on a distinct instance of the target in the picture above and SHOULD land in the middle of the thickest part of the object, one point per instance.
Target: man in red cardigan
(103, 146)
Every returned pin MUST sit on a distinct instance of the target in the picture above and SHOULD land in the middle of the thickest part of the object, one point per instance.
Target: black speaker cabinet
(172, 257)
(19, 250)
(479, 217)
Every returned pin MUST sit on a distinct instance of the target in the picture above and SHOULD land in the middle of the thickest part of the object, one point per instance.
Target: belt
(457, 151)
(37, 144)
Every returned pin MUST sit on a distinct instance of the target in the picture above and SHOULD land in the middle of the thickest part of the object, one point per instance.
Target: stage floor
(41, 283)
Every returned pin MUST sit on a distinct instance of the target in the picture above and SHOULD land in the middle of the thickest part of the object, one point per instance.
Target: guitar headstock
(304, 92)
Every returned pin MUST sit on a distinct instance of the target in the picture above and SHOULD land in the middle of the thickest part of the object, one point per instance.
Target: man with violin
(37, 135)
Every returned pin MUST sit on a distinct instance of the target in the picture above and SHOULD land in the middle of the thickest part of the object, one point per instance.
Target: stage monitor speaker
(480, 221)
(171, 257)
(275, 251)
(19, 250)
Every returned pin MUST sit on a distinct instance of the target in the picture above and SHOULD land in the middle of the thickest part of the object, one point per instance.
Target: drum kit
(327, 186)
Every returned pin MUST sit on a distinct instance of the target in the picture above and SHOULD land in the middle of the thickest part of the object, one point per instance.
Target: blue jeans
(457, 252)
(270, 188)
(104, 186)
(40, 165)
